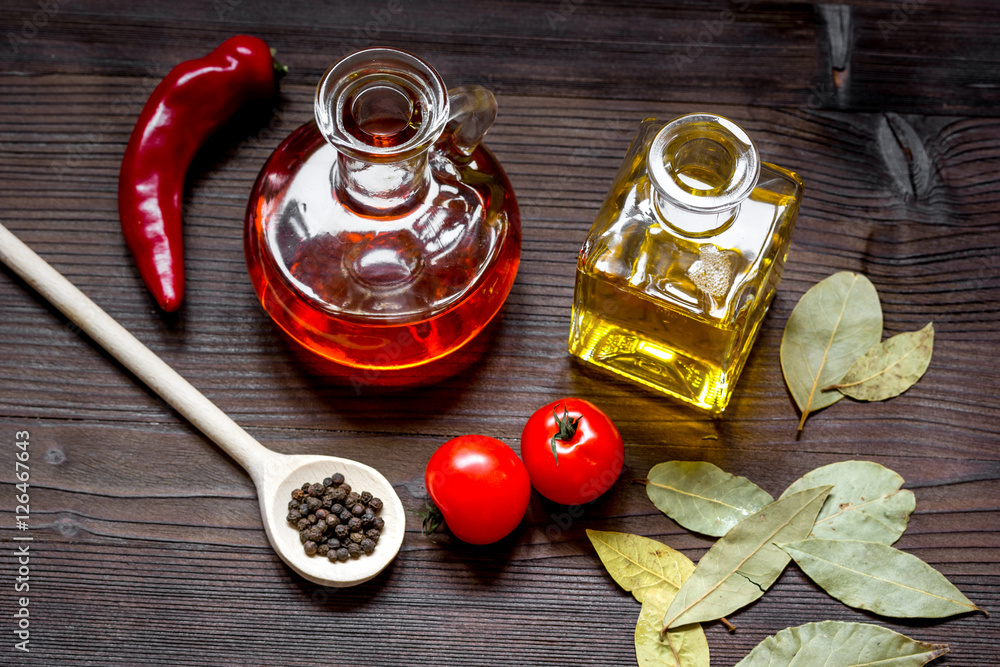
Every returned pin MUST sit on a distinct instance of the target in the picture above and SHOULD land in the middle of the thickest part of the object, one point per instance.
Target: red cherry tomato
(572, 451)
(480, 486)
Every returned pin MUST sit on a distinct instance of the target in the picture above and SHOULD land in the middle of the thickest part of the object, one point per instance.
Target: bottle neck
(693, 223)
(381, 189)
(701, 166)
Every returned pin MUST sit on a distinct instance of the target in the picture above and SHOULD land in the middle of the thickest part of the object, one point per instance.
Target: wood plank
(931, 56)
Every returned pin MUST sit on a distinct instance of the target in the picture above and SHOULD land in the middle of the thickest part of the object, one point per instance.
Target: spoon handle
(135, 356)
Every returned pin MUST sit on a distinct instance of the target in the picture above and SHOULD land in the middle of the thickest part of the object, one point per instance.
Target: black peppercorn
(333, 520)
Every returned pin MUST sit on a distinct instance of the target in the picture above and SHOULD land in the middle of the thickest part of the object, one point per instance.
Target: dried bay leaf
(689, 642)
(879, 578)
(841, 644)
(889, 368)
(639, 564)
(743, 563)
(866, 502)
(835, 322)
(702, 497)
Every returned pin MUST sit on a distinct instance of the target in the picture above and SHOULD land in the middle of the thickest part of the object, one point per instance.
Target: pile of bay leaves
(837, 522)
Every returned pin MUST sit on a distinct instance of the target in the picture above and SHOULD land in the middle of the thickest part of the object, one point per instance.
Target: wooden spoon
(274, 475)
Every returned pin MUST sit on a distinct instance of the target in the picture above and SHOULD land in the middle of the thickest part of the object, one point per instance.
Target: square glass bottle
(684, 259)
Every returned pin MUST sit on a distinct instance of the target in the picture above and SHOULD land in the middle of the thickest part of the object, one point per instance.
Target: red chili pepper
(193, 101)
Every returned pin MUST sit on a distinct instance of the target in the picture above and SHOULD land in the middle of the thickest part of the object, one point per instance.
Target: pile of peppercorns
(334, 521)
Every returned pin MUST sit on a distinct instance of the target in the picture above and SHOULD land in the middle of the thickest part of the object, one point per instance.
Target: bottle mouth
(703, 163)
(381, 104)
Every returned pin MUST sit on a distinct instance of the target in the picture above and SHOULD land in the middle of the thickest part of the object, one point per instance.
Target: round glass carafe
(382, 235)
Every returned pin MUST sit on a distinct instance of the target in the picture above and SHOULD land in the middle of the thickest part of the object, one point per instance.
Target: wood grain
(148, 543)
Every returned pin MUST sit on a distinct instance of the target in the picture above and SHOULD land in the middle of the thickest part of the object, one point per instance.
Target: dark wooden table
(148, 547)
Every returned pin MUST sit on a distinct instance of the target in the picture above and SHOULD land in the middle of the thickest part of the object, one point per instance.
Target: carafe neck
(382, 109)
(381, 189)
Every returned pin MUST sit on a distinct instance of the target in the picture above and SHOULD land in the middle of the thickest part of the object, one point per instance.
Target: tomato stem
(432, 518)
(567, 429)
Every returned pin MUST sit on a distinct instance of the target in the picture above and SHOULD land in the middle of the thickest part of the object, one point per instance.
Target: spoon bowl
(274, 475)
(284, 473)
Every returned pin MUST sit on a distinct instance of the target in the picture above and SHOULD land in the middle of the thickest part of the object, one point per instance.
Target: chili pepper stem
(280, 70)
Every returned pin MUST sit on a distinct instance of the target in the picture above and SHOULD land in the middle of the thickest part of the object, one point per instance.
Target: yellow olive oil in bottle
(684, 259)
